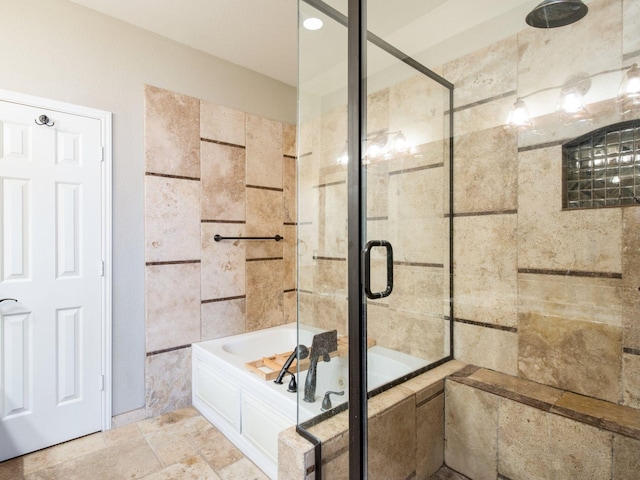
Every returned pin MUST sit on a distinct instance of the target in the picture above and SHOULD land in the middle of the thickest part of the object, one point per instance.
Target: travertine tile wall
(541, 293)
(212, 170)
(499, 426)
(407, 199)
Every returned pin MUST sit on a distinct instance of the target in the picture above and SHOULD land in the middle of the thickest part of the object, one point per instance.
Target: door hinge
(102, 383)
(102, 154)
(102, 268)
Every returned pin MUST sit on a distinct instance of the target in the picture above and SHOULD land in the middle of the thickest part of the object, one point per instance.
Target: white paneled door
(51, 262)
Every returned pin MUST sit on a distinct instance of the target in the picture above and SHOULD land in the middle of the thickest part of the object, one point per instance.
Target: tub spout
(301, 352)
(322, 345)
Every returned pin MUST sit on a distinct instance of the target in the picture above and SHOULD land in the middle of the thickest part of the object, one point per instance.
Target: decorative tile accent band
(173, 262)
(335, 259)
(239, 222)
(167, 350)
(630, 55)
(540, 145)
(264, 259)
(331, 184)
(416, 169)
(226, 144)
(225, 299)
(571, 273)
(631, 351)
(504, 328)
(178, 177)
(292, 157)
(419, 264)
(428, 399)
(259, 187)
(480, 214)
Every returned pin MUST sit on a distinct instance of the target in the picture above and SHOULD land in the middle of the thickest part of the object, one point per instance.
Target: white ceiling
(257, 34)
(262, 34)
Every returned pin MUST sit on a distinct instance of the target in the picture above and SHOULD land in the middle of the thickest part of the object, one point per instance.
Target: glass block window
(602, 168)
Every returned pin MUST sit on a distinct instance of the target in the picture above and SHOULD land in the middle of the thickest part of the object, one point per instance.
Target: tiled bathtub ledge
(598, 413)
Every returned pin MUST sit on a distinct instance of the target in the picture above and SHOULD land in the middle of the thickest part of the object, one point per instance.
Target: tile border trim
(264, 259)
(416, 169)
(172, 262)
(571, 273)
(238, 222)
(224, 299)
(504, 328)
(175, 177)
(480, 214)
(167, 350)
(631, 351)
(556, 143)
(260, 187)
(219, 142)
(505, 391)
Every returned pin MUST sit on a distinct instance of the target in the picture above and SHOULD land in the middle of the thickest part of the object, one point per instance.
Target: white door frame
(105, 119)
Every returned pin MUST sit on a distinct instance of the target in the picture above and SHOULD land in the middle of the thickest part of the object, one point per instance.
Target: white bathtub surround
(251, 411)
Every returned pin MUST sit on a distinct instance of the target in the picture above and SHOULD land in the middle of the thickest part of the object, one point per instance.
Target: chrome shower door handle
(367, 269)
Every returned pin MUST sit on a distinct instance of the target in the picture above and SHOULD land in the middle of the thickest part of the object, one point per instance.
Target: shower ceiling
(262, 34)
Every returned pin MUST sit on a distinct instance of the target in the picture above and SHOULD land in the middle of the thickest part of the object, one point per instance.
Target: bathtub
(251, 411)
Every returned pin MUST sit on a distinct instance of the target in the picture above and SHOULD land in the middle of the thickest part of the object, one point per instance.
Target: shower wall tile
(377, 178)
(417, 289)
(486, 347)
(485, 73)
(332, 218)
(471, 440)
(540, 445)
(289, 184)
(264, 152)
(486, 175)
(392, 438)
(631, 380)
(377, 111)
(416, 108)
(265, 297)
(420, 335)
(330, 277)
(171, 133)
(549, 238)
(415, 203)
(223, 182)
(264, 219)
(223, 318)
(378, 324)
(626, 460)
(430, 437)
(223, 263)
(172, 219)
(290, 300)
(485, 116)
(630, 289)
(289, 254)
(575, 355)
(289, 140)
(590, 299)
(630, 22)
(485, 269)
(329, 313)
(222, 124)
(172, 302)
(168, 381)
(598, 34)
(332, 138)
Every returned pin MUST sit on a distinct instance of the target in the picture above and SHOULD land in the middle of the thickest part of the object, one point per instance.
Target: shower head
(556, 13)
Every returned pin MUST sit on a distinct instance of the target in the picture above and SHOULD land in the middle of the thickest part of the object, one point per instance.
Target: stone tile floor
(178, 445)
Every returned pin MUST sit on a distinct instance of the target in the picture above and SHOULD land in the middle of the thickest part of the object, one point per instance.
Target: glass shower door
(378, 222)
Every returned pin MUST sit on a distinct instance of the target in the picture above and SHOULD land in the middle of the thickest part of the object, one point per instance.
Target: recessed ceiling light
(312, 23)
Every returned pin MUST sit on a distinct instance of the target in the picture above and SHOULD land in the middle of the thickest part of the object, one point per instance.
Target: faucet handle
(326, 402)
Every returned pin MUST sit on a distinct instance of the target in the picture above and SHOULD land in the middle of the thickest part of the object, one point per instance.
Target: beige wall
(60, 50)
(212, 170)
(542, 293)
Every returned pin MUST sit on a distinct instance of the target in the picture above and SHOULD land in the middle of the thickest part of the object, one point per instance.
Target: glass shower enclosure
(374, 214)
